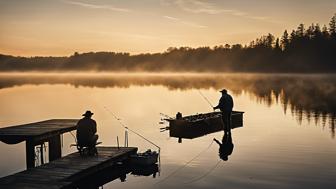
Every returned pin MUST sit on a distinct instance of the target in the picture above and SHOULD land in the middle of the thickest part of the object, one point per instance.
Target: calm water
(287, 140)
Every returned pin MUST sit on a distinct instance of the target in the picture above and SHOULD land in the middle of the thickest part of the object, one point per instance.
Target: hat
(223, 91)
(88, 113)
(224, 157)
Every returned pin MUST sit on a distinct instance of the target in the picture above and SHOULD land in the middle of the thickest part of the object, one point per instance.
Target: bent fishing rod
(127, 128)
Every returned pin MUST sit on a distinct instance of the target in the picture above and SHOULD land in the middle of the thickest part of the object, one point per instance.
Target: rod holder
(118, 142)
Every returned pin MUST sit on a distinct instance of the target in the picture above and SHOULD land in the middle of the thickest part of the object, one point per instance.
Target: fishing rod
(123, 125)
(205, 98)
(166, 116)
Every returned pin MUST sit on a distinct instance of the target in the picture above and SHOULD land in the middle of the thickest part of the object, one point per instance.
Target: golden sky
(61, 27)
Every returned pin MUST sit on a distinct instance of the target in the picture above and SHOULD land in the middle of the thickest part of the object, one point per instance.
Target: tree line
(302, 50)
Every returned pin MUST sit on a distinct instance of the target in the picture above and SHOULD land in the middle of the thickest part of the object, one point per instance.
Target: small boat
(194, 126)
(145, 170)
(144, 159)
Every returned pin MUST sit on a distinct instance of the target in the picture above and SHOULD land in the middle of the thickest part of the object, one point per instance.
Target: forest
(306, 49)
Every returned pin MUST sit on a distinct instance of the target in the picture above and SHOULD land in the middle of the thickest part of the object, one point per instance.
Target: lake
(287, 139)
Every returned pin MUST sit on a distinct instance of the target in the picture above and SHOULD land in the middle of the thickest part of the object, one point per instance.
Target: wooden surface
(36, 131)
(62, 173)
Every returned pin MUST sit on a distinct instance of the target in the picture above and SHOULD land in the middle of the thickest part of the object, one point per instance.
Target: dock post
(30, 154)
(55, 151)
(41, 153)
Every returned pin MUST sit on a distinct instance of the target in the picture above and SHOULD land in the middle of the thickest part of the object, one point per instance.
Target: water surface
(287, 139)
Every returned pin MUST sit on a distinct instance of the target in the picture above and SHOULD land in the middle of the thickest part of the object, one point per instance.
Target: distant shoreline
(304, 50)
(149, 74)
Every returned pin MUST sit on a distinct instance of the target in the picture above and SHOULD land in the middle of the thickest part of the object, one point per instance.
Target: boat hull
(202, 124)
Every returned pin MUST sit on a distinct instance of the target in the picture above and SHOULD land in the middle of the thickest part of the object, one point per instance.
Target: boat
(145, 170)
(193, 126)
(144, 159)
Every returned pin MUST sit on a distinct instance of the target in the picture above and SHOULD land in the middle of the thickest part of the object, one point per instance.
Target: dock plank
(38, 130)
(62, 173)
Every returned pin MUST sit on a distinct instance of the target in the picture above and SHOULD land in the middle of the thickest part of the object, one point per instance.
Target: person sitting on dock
(226, 147)
(86, 133)
(225, 105)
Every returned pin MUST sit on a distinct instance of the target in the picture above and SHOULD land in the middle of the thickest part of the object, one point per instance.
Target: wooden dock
(66, 171)
(36, 134)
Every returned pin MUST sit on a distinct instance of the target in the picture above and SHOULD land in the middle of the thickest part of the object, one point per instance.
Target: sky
(62, 27)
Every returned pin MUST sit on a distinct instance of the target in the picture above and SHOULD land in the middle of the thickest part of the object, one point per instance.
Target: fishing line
(123, 125)
(205, 98)
(182, 167)
(73, 136)
(206, 174)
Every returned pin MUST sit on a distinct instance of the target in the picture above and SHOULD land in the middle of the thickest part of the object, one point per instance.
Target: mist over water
(306, 96)
(287, 140)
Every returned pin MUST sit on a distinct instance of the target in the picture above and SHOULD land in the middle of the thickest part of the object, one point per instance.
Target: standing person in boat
(226, 147)
(225, 105)
(86, 132)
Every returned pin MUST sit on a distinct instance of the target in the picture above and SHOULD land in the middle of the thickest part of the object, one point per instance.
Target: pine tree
(332, 26)
(277, 44)
(325, 32)
(293, 37)
(317, 31)
(284, 40)
(269, 40)
(310, 31)
(300, 30)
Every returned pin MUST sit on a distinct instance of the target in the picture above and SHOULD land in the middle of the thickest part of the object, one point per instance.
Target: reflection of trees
(308, 97)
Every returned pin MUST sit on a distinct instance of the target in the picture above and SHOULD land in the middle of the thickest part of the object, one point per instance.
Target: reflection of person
(226, 147)
(225, 105)
(86, 131)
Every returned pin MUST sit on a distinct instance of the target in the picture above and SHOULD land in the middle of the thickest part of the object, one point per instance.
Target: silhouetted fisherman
(86, 132)
(225, 105)
(226, 147)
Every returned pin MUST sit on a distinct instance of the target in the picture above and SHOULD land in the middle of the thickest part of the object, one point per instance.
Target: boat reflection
(114, 173)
